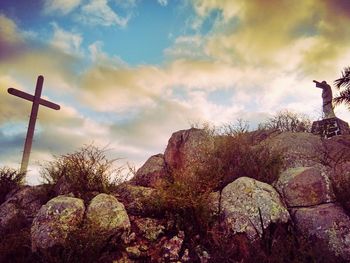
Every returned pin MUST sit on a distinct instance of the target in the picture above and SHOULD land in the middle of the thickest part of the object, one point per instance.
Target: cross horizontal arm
(29, 97)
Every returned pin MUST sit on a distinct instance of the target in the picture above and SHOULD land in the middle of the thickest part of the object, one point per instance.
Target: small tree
(344, 81)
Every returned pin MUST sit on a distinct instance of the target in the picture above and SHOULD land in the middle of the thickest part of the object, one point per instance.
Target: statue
(330, 125)
(327, 97)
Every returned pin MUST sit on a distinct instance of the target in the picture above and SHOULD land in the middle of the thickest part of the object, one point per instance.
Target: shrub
(279, 243)
(189, 198)
(84, 171)
(287, 121)
(9, 180)
(235, 157)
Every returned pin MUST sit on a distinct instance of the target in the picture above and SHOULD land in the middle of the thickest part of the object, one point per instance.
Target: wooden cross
(33, 116)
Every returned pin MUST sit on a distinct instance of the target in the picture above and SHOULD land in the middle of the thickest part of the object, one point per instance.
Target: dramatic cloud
(259, 33)
(238, 59)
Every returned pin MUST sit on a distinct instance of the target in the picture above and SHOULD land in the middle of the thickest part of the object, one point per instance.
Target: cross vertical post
(31, 127)
(33, 116)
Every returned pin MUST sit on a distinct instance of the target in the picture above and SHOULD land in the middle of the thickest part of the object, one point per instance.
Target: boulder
(241, 201)
(106, 216)
(30, 199)
(55, 221)
(11, 218)
(21, 206)
(187, 148)
(305, 186)
(138, 200)
(153, 173)
(329, 227)
(300, 149)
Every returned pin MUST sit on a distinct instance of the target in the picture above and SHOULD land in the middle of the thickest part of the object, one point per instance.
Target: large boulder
(298, 149)
(305, 186)
(241, 201)
(187, 148)
(55, 221)
(21, 206)
(106, 216)
(328, 226)
(153, 173)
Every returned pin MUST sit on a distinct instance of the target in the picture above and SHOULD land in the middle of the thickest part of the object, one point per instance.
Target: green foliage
(343, 81)
(84, 171)
(9, 179)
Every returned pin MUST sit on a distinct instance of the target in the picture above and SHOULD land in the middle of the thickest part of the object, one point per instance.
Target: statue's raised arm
(327, 97)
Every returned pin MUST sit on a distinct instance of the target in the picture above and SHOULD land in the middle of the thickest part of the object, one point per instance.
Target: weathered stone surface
(240, 204)
(149, 228)
(188, 147)
(11, 218)
(299, 149)
(106, 216)
(138, 200)
(305, 186)
(30, 199)
(153, 173)
(55, 221)
(328, 226)
(21, 206)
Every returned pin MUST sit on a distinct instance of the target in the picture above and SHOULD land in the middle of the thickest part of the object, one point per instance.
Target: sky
(129, 73)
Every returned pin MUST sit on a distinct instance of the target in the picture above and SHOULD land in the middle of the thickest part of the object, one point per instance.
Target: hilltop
(262, 196)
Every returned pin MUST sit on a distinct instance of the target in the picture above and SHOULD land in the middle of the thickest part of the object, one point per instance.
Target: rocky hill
(263, 196)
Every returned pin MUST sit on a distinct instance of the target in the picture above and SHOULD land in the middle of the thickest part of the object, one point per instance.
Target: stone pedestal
(330, 127)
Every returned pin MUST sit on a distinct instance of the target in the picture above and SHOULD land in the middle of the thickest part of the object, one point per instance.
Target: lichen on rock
(241, 201)
(105, 215)
(55, 221)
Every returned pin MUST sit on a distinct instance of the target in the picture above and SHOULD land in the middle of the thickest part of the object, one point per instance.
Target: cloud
(62, 7)
(252, 62)
(255, 33)
(98, 12)
(126, 4)
(186, 46)
(11, 42)
(66, 41)
(163, 2)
